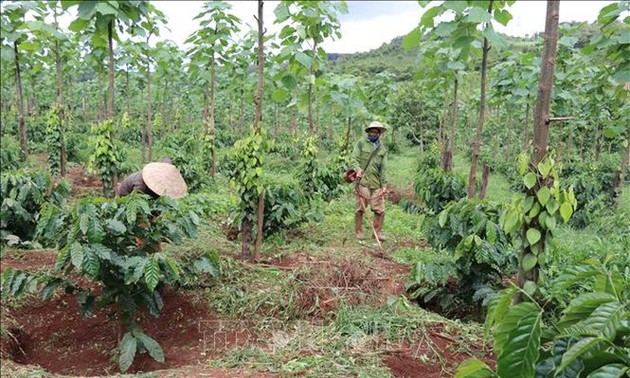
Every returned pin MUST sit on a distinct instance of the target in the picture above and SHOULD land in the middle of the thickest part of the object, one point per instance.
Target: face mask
(373, 138)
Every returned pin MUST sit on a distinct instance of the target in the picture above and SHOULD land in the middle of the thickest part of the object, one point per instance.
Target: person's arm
(383, 171)
(130, 183)
(355, 162)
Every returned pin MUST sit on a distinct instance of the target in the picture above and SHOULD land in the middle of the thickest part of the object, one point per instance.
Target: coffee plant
(434, 187)
(590, 337)
(315, 178)
(186, 156)
(23, 195)
(118, 244)
(9, 154)
(481, 254)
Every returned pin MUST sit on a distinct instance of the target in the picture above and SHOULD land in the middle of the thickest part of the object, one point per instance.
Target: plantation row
(551, 309)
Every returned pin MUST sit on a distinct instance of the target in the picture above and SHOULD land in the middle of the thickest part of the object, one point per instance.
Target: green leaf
(280, 94)
(544, 167)
(543, 195)
(442, 218)
(520, 337)
(116, 227)
(529, 261)
(533, 236)
(304, 59)
(128, 346)
(550, 222)
(91, 262)
(502, 16)
(552, 206)
(154, 349)
(578, 349)
(455, 5)
(511, 221)
(609, 371)
(478, 15)
(412, 39)
(530, 287)
(473, 368)
(494, 38)
(607, 319)
(76, 255)
(529, 180)
(566, 211)
(491, 232)
(78, 25)
(152, 273)
(498, 308)
(581, 308)
(427, 19)
(281, 12)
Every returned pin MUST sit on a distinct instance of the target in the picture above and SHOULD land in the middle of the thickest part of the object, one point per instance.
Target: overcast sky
(369, 24)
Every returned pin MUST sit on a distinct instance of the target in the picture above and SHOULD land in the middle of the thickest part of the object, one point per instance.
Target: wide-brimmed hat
(164, 180)
(376, 125)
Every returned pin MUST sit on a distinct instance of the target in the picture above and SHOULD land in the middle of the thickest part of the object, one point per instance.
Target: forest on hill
(507, 197)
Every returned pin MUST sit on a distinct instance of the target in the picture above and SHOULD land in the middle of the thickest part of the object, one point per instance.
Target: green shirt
(374, 175)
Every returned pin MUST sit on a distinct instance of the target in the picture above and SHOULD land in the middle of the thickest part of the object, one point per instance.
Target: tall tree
(541, 141)
(258, 123)
(210, 48)
(15, 33)
(308, 22)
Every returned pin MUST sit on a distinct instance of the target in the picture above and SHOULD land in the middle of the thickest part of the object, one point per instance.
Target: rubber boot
(378, 226)
(358, 225)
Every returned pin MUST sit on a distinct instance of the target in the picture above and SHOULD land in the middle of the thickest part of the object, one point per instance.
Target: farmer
(155, 179)
(369, 159)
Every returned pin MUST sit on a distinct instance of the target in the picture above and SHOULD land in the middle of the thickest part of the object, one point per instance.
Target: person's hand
(360, 173)
(381, 192)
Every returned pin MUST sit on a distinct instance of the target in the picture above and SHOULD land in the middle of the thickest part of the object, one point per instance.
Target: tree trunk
(241, 116)
(447, 159)
(211, 107)
(598, 142)
(60, 99)
(149, 132)
(110, 106)
(294, 119)
(484, 181)
(310, 94)
(127, 91)
(526, 133)
(232, 114)
(476, 145)
(541, 128)
(258, 101)
(20, 110)
(619, 178)
(346, 142)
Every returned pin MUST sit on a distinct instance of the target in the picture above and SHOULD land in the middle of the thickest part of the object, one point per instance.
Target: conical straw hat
(164, 180)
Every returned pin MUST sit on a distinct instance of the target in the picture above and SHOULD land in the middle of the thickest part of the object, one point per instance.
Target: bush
(436, 188)
(480, 254)
(22, 197)
(9, 154)
(592, 183)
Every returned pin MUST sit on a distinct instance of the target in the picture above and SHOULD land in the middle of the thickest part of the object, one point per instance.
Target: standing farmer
(369, 159)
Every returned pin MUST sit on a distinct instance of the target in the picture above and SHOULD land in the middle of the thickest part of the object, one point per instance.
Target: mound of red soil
(56, 337)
